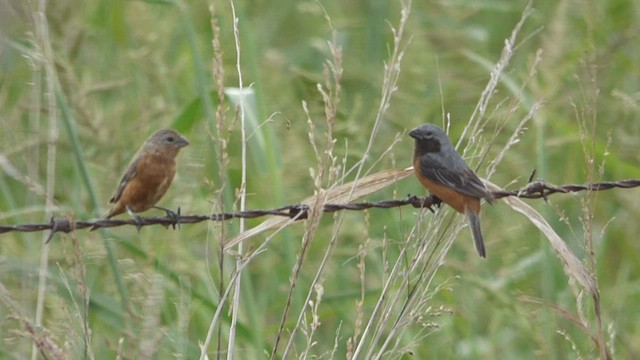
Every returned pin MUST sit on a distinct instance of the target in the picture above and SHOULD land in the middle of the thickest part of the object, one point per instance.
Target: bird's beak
(414, 134)
(182, 142)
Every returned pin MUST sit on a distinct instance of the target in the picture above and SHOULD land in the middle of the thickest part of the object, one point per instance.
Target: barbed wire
(534, 190)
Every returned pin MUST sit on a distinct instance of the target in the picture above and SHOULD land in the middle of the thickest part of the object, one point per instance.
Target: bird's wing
(454, 174)
(131, 172)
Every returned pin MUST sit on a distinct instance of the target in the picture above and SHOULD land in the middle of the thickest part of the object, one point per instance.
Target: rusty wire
(534, 190)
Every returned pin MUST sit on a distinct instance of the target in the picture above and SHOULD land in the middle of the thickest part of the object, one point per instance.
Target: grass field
(295, 101)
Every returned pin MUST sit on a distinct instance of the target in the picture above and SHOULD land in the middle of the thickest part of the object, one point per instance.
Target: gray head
(166, 139)
(429, 138)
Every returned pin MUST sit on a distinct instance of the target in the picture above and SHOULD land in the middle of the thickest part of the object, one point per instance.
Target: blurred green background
(127, 68)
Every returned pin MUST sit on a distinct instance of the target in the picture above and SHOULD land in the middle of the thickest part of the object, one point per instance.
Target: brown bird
(148, 175)
(443, 172)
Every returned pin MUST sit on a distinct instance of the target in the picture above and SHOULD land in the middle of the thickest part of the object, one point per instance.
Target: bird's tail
(474, 223)
(107, 216)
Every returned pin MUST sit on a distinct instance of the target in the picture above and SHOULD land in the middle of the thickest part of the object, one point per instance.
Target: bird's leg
(428, 202)
(136, 218)
(173, 215)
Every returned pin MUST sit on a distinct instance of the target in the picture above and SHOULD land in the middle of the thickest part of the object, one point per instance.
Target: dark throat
(426, 146)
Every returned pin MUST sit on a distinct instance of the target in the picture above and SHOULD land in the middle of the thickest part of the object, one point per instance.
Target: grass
(329, 91)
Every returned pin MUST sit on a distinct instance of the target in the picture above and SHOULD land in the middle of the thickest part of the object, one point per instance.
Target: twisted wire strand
(534, 190)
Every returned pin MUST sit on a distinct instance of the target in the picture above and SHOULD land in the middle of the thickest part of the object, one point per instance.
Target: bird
(442, 171)
(148, 176)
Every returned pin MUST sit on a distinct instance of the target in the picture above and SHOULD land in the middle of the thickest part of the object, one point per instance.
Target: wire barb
(534, 190)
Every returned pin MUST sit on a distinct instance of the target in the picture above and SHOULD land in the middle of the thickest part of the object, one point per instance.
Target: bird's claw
(435, 201)
(432, 201)
(138, 221)
(428, 202)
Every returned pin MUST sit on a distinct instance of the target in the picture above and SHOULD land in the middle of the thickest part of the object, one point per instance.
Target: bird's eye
(170, 139)
(429, 133)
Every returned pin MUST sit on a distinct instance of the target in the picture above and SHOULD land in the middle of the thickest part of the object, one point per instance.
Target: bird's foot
(435, 201)
(136, 219)
(427, 202)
